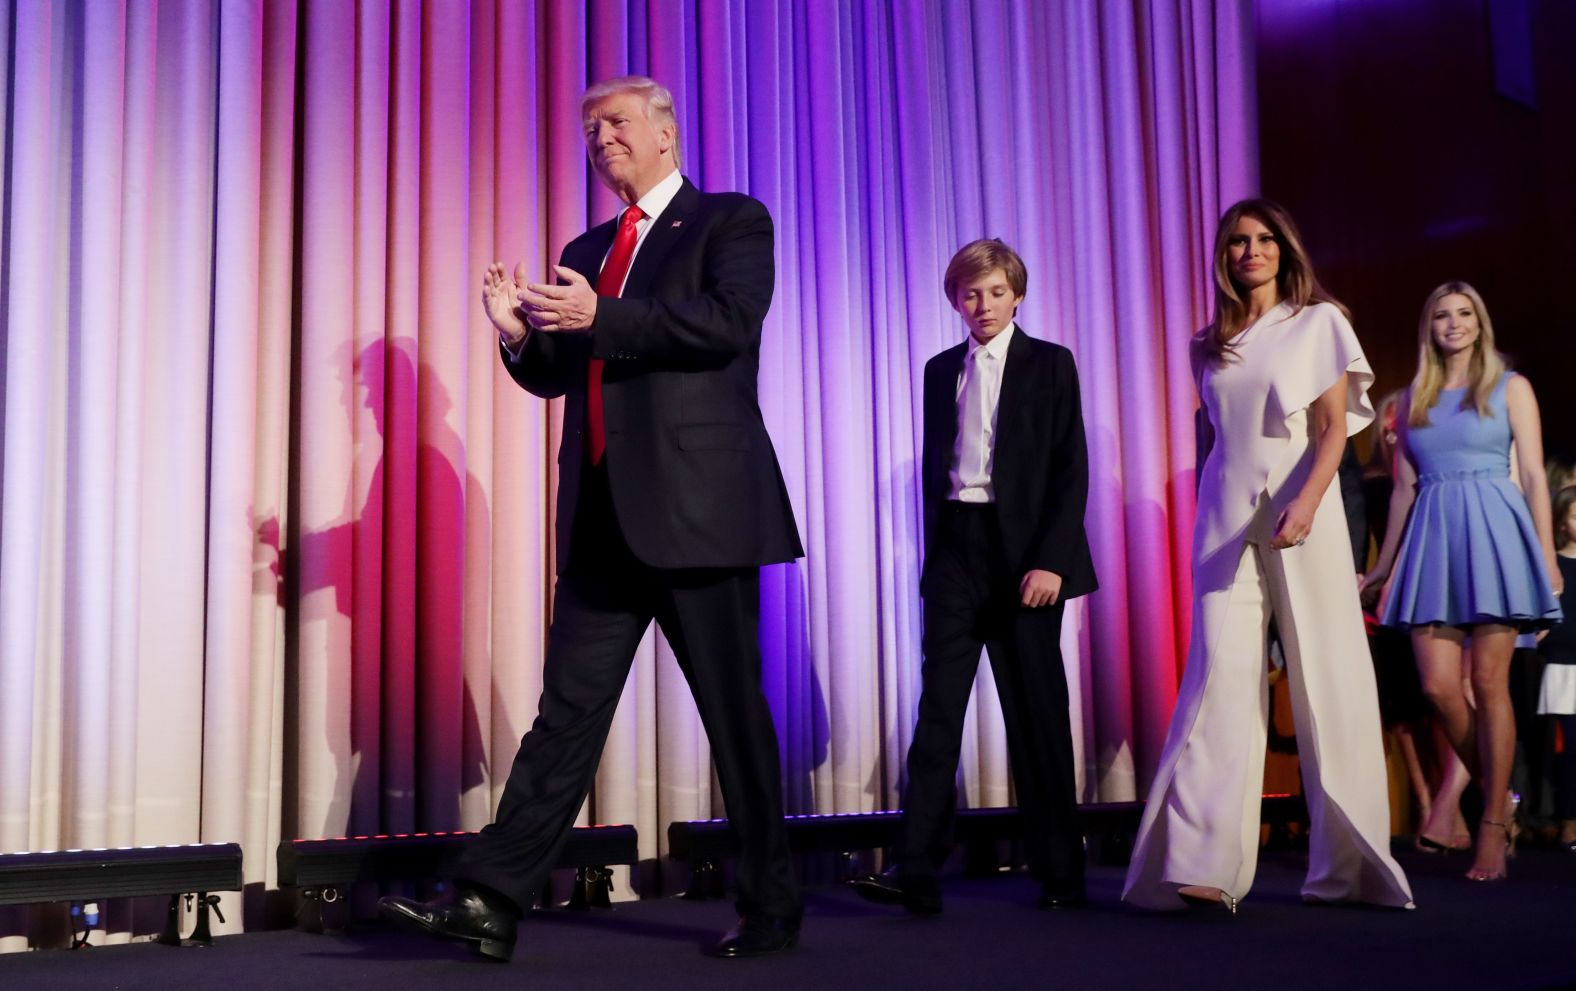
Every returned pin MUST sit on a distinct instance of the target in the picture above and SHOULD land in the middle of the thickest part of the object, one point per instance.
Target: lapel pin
(677, 223)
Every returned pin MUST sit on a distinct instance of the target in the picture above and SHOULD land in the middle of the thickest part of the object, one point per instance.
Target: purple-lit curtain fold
(275, 526)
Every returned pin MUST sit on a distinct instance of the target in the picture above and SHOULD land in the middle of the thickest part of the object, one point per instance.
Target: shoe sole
(1225, 901)
(492, 949)
(882, 895)
(788, 944)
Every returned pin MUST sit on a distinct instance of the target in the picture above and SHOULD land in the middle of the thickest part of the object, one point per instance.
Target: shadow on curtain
(275, 534)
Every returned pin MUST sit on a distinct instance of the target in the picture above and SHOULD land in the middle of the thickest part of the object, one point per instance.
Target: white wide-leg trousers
(1201, 823)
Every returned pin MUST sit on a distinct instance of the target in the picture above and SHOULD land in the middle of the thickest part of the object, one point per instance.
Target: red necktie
(609, 283)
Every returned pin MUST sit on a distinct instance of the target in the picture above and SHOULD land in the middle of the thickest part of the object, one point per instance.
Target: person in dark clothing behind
(1558, 697)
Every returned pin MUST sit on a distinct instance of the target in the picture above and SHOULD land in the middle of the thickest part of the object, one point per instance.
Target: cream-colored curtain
(275, 553)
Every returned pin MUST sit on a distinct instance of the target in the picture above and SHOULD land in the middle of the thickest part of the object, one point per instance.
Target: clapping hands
(516, 307)
(501, 297)
(570, 306)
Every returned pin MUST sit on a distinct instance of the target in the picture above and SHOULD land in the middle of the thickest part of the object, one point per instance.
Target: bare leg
(1415, 778)
(1444, 824)
(1439, 822)
(1442, 663)
(1492, 646)
(1453, 780)
(1453, 763)
(1440, 653)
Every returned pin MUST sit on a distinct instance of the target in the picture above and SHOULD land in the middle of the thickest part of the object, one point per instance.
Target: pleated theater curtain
(275, 526)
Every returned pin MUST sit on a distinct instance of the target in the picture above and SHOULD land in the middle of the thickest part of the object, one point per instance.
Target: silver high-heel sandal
(1511, 824)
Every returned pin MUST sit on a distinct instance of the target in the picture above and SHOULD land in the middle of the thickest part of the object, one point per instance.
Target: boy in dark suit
(1005, 478)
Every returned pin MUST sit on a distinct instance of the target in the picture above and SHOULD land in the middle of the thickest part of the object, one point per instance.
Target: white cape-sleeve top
(1257, 402)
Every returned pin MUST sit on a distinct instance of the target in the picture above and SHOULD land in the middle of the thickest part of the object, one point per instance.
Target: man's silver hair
(659, 102)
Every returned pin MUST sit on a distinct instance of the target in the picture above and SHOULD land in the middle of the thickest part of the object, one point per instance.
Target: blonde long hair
(1295, 282)
(1483, 373)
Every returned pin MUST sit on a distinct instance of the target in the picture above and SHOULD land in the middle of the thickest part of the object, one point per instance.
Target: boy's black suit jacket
(1040, 465)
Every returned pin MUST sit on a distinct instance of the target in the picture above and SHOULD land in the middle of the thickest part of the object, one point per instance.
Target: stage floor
(1511, 935)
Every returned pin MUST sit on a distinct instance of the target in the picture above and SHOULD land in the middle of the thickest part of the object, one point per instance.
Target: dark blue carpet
(1519, 934)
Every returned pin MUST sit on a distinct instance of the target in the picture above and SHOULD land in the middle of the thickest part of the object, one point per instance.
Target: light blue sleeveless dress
(1470, 554)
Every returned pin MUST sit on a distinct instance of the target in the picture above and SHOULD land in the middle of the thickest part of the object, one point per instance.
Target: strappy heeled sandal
(1512, 827)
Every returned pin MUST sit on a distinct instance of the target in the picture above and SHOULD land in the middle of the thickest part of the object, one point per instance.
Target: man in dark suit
(1005, 479)
(669, 501)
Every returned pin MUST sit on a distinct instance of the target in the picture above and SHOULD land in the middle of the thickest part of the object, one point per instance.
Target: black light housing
(1109, 828)
(127, 872)
(320, 868)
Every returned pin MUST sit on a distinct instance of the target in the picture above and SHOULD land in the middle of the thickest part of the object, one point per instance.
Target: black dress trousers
(605, 600)
(972, 601)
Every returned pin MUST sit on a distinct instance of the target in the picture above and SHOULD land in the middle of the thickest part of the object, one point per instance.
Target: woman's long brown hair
(1294, 282)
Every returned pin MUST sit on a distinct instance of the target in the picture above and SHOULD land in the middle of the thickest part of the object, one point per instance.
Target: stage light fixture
(322, 868)
(189, 871)
(1108, 828)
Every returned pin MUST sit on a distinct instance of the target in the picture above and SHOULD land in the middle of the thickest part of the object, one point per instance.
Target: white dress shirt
(979, 393)
(652, 204)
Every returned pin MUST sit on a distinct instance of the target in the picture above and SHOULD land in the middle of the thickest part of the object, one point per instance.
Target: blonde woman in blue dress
(1475, 565)
(1284, 383)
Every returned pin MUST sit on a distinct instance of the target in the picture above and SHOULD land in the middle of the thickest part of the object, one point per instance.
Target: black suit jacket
(1040, 465)
(694, 479)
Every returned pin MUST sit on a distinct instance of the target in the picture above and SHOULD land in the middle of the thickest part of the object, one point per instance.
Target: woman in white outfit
(1283, 382)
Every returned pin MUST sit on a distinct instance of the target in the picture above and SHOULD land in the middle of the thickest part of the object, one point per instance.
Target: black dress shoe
(759, 935)
(1063, 897)
(919, 893)
(462, 913)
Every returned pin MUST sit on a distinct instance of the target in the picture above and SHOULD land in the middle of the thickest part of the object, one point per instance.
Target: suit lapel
(589, 250)
(1014, 384)
(946, 403)
(666, 231)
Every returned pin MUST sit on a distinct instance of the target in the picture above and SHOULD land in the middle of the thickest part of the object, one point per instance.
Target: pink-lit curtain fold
(276, 527)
